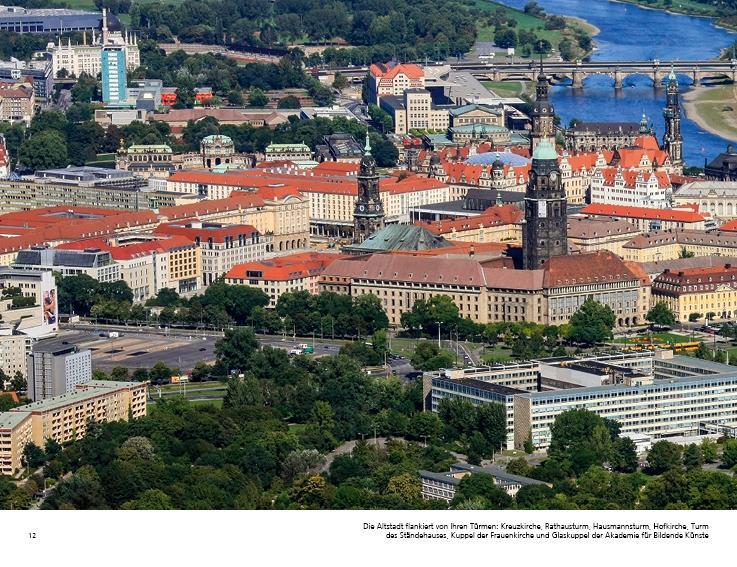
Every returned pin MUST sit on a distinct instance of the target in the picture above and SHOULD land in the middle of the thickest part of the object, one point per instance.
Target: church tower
(545, 229)
(543, 113)
(368, 214)
(672, 139)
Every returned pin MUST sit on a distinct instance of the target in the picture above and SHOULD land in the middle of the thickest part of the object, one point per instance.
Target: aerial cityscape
(351, 255)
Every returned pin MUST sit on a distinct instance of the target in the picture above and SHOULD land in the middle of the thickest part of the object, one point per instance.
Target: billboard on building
(50, 307)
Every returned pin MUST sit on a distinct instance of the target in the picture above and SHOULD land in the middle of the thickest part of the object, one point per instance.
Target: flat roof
(481, 385)
(92, 390)
(11, 419)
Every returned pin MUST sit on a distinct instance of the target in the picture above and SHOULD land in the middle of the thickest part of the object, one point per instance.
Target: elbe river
(632, 33)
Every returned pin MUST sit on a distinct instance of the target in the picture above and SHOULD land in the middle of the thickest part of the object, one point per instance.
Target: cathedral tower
(545, 229)
(672, 139)
(368, 214)
(543, 113)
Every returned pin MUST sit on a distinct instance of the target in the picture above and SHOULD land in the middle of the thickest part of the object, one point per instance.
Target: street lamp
(438, 323)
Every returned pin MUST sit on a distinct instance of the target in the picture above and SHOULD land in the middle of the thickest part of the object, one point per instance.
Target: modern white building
(654, 394)
(55, 369)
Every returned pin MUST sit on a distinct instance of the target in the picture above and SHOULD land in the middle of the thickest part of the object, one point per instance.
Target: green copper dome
(544, 151)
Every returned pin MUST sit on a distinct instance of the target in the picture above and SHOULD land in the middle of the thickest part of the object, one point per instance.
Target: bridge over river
(577, 71)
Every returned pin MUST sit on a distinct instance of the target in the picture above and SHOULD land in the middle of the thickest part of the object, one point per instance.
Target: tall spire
(672, 75)
(367, 147)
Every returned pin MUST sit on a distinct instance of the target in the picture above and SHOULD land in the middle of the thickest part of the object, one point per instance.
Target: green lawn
(524, 22)
(176, 388)
(506, 88)
(491, 355)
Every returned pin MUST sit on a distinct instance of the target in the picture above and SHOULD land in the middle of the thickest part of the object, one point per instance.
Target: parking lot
(143, 350)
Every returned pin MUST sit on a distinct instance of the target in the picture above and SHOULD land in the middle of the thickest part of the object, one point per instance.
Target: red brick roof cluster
(493, 216)
(134, 250)
(23, 229)
(633, 176)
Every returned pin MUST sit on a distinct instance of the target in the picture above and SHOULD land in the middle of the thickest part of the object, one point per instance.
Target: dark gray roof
(497, 472)
(400, 237)
(70, 258)
(607, 127)
(488, 386)
(728, 159)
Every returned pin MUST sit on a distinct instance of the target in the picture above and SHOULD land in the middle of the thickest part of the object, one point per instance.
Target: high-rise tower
(368, 214)
(545, 230)
(672, 139)
(543, 113)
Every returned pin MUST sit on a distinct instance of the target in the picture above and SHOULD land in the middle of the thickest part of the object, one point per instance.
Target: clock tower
(368, 214)
(546, 225)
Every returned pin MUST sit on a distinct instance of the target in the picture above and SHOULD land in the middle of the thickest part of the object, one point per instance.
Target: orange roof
(730, 226)
(284, 268)
(630, 177)
(642, 213)
(389, 71)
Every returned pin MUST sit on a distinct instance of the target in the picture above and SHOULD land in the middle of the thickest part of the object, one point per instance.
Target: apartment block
(13, 352)
(55, 369)
(66, 417)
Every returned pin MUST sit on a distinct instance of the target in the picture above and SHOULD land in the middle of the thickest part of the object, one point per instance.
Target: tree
(661, 315)
(234, 350)
(505, 38)
(46, 150)
(243, 392)
(709, 450)
(160, 373)
(592, 323)
(18, 382)
(340, 81)
(33, 456)
(582, 438)
(427, 356)
(152, 499)
(406, 486)
(480, 485)
(518, 466)
(257, 98)
(693, 317)
(623, 456)
(663, 456)
(692, 457)
(685, 253)
(289, 101)
(729, 453)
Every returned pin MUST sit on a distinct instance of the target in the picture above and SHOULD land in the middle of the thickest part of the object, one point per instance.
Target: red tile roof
(285, 268)
(598, 209)
(389, 71)
(493, 216)
(204, 233)
(601, 266)
(131, 251)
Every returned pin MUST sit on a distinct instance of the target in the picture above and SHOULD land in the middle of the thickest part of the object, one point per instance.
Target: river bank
(684, 8)
(714, 109)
